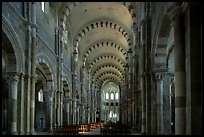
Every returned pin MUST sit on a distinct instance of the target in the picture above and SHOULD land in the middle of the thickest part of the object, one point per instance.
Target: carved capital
(160, 73)
(12, 77)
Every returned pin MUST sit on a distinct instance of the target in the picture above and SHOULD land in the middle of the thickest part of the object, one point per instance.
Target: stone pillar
(66, 107)
(33, 75)
(55, 108)
(32, 106)
(49, 102)
(13, 79)
(154, 107)
(159, 102)
(77, 111)
(70, 112)
(28, 71)
(27, 86)
(22, 111)
(193, 57)
(180, 91)
(58, 108)
(147, 23)
(51, 111)
(61, 107)
(88, 114)
(91, 103)
(167, 103)
(143, 97)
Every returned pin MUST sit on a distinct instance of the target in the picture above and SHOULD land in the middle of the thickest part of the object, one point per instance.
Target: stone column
(28, 70)
(126, 93)
(74, 111)
(180, 91)
(22, 117)
(143, 78)
(13, 79)
(49, 101)
(77, 111)
(51, 111)
(32, 106)
(33, 75)
(55, 108)
(66, 103)
(27, 116)
(167, 103)
(159, 102)
(143, 97)
(58, 108)
(193, 57)
(147, 23)
(61, 107)
(70, 112)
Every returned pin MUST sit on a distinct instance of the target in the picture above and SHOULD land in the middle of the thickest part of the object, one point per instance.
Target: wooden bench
(66, 130)
(115, 129)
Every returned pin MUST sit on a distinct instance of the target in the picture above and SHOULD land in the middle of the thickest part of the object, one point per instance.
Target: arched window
(112, 96)
(40, 95)
(114, 115)
(107, 96)
(43, 6)
(116, 95)
(110, 114)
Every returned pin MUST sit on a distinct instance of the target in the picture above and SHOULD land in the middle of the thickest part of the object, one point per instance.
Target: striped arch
(96, 24)
(15, 42)
(46, 65)
(101, 57)
(161, 39)
(68, 7)
(107, 63)
(101, 43)
(109, 78)
(109, 67)
(107, 73)
(66, 87)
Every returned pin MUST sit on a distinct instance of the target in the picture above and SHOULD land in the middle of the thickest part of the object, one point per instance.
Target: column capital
(159, 76)
(160, 73)
(12, 76)
(35, 76)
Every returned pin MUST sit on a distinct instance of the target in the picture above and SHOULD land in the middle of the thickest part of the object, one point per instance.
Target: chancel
(101, 68)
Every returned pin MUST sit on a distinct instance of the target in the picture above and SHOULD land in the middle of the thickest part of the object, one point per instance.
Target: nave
(68, 64)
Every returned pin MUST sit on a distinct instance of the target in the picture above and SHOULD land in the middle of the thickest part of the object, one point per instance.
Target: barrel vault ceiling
(102, 34)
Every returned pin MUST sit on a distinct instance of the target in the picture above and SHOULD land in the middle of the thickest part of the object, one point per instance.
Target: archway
(110, 102)
(43, 94)
(9, 64)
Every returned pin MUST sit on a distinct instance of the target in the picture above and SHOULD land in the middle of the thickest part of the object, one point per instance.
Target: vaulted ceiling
(102, 35)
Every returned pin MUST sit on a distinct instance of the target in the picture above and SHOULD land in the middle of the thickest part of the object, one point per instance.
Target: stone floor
(92, 132)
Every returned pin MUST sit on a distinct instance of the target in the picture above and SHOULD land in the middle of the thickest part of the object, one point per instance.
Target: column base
(50, 130)
(22, 133)
(14, 133)
(143, 133)
(27, 132)
(32, 133)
